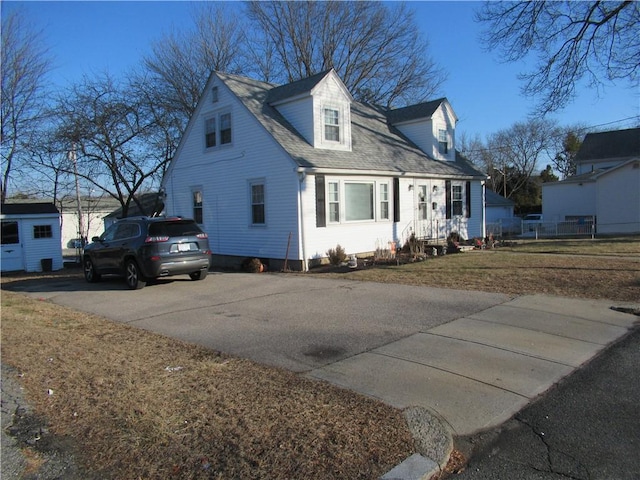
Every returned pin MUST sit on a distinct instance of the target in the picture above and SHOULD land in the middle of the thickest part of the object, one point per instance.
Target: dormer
(319, 108)
(431, 126)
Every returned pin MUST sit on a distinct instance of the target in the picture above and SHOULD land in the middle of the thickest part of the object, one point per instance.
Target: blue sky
(91, 37)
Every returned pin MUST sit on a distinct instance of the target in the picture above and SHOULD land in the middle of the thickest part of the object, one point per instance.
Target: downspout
(484, 212)
(301, 177)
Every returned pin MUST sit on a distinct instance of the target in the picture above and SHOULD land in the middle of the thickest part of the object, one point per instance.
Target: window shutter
(447, 184)
(468, 199)
(321, 216)
(396, 199)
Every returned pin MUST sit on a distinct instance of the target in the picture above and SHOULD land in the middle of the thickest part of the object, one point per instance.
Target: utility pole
(73, 158)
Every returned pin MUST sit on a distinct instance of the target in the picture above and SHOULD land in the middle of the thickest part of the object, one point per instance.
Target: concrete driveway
(296, 322)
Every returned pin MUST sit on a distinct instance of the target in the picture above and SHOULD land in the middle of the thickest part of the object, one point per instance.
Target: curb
(434, 442)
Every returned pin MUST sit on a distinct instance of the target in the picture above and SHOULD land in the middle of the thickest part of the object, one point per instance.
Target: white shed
(30, 237)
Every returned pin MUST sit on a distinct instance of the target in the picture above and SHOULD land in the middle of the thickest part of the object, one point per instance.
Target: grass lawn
(140, 406)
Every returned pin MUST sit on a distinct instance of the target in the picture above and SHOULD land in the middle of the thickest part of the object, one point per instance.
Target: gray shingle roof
(414, 112)
(295, 88)
(28, 208)
(612, 144)
(376, 146)
(496, 200)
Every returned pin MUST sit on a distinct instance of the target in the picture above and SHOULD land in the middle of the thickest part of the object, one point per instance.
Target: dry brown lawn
(143, 406)
(603, 269)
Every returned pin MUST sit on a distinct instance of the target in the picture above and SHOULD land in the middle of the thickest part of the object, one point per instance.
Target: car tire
(90, 274)
(133, 275)
(199, 275)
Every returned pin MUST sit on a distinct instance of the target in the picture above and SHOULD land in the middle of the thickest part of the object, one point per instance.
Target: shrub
(337, 255)
(252, 265)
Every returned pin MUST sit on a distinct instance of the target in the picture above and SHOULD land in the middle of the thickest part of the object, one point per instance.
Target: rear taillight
(157, 239)
(202, 235)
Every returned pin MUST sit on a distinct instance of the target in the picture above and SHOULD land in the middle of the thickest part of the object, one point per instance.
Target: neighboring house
(93, 211)
(285, 173)
(498, 208)
(606, 187)
(152, 203)
(30, 237)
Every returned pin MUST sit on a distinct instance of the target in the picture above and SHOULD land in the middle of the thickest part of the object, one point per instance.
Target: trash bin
(46, 264)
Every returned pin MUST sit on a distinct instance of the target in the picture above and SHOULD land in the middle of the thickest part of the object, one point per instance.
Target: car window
(174, 228)
(110, 233)
(127, 230)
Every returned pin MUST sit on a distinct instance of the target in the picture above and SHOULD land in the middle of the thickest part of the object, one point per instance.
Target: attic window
(214, 95)
(331, 125)
(443, 141)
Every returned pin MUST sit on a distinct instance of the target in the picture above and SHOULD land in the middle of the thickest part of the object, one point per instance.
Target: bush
(252, 265)
(337, 255)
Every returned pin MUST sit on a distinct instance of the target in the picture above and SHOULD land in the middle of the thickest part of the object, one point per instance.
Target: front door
(12, 258)
(423, 224)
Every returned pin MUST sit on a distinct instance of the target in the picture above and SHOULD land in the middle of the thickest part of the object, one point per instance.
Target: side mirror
(95, 239)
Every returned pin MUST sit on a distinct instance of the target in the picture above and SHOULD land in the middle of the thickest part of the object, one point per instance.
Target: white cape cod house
(285, 173)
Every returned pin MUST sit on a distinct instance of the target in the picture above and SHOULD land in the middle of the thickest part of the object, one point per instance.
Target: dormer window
(443, 141)
(331, 125)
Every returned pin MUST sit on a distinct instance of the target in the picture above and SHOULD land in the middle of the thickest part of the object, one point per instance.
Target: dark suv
(144, 248)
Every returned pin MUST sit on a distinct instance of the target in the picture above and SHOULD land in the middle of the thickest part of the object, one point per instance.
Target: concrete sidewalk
(476, 372)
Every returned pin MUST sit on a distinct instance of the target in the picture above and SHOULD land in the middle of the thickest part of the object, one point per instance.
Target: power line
(559, 135)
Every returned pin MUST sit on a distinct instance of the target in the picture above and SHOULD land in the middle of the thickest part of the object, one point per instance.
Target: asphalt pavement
(456, 362)
(586, 428)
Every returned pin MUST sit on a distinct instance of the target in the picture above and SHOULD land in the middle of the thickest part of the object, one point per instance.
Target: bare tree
(376, 49)
(25, 64)
(181, 62)
(592, 40)
(110, 130)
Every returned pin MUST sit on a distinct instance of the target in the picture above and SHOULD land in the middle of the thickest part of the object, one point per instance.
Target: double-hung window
(331, 125)
(257, 203)
(384, 201)
(443, 141)
(334, 202)
(456, 199)
(210, 132)
(217, 130)
(225, 128)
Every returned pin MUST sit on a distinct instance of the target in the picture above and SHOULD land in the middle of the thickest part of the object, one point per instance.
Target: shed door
(12, 258)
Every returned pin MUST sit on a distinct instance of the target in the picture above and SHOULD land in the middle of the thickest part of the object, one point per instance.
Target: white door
(12, 258)
(423, 223)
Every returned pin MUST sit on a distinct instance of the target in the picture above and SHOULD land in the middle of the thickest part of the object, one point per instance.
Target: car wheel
(133, 276)
(199, 275)
(90, 274)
